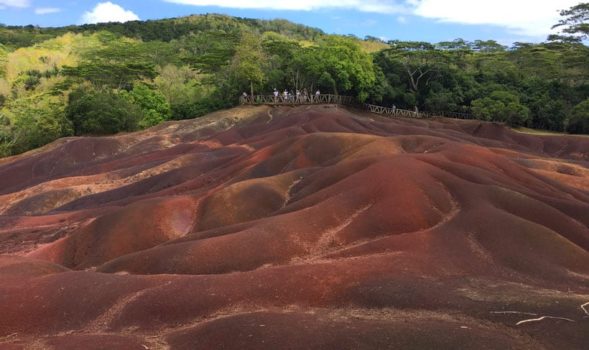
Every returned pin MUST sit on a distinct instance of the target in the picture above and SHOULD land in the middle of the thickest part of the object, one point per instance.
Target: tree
(6, 136)
(287, 63)
(153, 104)
(101, 112)
(420, 63)
(186, 91)
(456, 44)
(37, 122)
(579, 121)
(502, 106)
(381, 91)
(209, 51)
(487, 46)
(3, 59)
(575, 25)
(441, 102)
(548, 113)
(338, 64)
(247, 65)
(117, 76)
(118, 62)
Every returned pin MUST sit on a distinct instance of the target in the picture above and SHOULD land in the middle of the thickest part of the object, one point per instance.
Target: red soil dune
(298, 228)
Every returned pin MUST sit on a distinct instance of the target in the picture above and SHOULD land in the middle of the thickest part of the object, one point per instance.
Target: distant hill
(162, 30)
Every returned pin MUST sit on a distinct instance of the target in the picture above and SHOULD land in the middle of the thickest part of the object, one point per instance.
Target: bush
(39, 122)
(579, 121)
(5, 136)
(153, 104)
(441, 102)
(101, 112)
(549, 114)
(502, 106)
(198, 108)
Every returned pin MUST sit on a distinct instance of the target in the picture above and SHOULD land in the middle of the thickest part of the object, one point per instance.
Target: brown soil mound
(298, 228)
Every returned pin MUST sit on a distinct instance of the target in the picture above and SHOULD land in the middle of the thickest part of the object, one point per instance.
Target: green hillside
(107, 78)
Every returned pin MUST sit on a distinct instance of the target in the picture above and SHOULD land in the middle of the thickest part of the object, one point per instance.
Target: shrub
(101, 112)
(579, 120)
(40, 120)
(153, 104)
(502, 106)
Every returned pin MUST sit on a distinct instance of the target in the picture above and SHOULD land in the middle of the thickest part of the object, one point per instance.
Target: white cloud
(523, 17)
(108, 12)
(46, 10)
(14, 3)
(302, 5)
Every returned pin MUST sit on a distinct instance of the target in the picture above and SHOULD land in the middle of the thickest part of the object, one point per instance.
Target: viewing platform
(292, 100)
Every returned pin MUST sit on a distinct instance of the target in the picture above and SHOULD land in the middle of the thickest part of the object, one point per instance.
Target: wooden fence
(294, 100)
(347, 101)
(395, 112)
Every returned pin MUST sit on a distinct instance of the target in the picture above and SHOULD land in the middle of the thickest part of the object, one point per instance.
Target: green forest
(108, 78)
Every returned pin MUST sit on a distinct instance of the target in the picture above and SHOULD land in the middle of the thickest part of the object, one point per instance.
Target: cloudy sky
(506, 21)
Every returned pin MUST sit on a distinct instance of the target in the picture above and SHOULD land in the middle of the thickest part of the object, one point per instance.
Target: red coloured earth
(298, 228)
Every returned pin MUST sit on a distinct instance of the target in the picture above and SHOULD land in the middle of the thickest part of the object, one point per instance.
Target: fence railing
(344, 100)
(396, 112)
(455, 115)
(296, 100)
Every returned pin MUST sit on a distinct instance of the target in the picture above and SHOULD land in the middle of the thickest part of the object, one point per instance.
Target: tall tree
(339, 64)
(286, 64)
(247, 65)
(579, 121)
(420, 62)
(575, 24)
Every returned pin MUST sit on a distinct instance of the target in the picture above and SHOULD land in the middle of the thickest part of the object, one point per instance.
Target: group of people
(300, 96)
(297, 96)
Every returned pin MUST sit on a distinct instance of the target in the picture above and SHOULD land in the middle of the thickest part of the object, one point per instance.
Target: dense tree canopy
(153, 104)
(101, 113)
(579, 122)
(501, 106)
(247, 66)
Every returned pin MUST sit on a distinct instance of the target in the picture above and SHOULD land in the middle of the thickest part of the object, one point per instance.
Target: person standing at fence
(317, 94)
(394, 108)
(285, 95)
(305, 95)
(298, 100)
(244, 97)
(275, 95)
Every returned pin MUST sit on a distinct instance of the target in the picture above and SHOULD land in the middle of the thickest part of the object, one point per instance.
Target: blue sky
(506, 21)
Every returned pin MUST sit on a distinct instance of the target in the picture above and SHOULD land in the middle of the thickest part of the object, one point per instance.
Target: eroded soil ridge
(298, 228)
